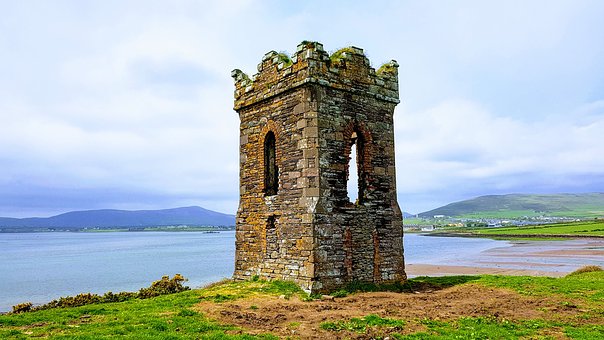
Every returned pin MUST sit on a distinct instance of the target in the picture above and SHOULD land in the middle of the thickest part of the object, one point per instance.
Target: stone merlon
(346, 69)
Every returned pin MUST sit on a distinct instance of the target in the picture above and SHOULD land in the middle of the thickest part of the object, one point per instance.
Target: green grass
(360, 325)
(233, 290)
(416, 221)
(175, 316)
(164, 317)
(588, 287)
(586, 228)
(477, 328)
(493, 328)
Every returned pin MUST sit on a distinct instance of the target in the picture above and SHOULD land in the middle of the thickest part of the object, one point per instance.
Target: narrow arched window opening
(354, 185)
(271, 172)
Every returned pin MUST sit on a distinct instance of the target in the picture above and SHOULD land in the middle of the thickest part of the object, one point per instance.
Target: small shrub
(586, 269)
(22, 307)
(164, 286)
(160, 287)
(119, 297)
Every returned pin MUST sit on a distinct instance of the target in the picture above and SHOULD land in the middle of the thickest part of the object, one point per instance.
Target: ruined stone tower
(300, 119)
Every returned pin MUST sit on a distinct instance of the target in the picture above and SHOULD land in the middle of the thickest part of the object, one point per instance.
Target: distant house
(439, 216)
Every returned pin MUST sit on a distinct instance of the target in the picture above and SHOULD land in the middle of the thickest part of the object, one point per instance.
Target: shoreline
(553, 258)
(513, 236)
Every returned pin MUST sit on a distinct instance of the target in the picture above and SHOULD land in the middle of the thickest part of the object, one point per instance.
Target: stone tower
(300, 119)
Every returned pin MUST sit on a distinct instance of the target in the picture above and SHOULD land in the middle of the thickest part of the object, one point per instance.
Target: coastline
(513, 236)
(553, 258)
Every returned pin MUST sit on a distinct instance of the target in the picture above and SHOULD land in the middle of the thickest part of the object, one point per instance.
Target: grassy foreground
(454, 307)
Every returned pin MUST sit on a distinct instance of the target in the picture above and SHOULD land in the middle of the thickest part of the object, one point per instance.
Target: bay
(39, 267)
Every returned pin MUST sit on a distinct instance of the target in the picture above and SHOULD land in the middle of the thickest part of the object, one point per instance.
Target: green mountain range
(520, 205)
(110, 219)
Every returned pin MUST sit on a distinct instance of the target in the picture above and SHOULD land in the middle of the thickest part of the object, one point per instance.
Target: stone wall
(309, 231)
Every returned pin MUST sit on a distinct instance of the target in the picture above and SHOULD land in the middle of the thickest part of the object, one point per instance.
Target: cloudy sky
(128, 104)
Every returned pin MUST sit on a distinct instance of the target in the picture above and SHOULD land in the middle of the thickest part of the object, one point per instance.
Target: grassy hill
(110, 218)
(453, 307)
(519, 205)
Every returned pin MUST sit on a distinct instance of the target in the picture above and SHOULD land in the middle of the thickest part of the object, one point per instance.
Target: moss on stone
(284, 59)
(387, 68)
(339, 55)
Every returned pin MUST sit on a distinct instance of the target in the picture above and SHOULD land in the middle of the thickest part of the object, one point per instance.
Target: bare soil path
(301, 320)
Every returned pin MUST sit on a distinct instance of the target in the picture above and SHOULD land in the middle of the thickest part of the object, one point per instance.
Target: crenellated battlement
(346, 69)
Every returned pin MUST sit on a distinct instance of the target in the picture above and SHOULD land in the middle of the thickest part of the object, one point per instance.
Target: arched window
(271, 172)
(355, 183)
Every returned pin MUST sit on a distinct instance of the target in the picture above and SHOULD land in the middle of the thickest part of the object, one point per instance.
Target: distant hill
(518, 205)
(109, 218)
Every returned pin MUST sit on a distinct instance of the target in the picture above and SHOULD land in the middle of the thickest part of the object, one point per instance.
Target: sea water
(39, 267)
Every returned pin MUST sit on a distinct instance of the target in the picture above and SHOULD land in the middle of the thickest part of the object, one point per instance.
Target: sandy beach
(535, 258)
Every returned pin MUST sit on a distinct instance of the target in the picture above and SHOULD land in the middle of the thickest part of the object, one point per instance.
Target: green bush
(119, 297)
(161, 287)
(22, 307)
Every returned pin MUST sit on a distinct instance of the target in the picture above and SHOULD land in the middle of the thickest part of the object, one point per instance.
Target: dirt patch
(302, 319)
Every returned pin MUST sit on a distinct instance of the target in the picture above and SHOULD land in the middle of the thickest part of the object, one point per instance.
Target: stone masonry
(300, 117)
